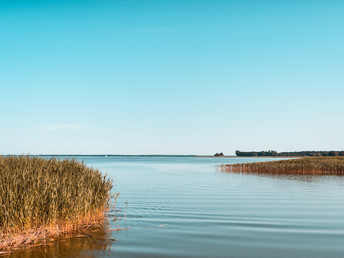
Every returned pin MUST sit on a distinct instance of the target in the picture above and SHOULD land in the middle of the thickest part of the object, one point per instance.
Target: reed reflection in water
(93, 243)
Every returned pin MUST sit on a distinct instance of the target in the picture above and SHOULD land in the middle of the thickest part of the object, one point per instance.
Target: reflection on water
(183, 207)
(90, 244)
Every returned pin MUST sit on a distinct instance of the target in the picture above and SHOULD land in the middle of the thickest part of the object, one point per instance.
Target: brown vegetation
(303, 166)
(42, 199)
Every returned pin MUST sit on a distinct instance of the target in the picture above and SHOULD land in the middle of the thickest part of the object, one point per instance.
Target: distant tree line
(256, 153)
(218, 154)
(272, 153)
(313, 153)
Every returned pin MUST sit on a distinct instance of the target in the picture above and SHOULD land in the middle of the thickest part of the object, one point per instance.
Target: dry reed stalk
(118, 229)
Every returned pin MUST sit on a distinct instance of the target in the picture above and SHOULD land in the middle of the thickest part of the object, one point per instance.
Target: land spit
(299, 166)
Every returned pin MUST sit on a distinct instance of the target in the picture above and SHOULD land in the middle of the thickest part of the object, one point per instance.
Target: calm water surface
(184, 207)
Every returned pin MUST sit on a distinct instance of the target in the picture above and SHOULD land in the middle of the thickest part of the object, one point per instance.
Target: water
(184, 207)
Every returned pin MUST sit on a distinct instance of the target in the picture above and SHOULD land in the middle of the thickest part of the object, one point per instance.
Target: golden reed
(41, 199)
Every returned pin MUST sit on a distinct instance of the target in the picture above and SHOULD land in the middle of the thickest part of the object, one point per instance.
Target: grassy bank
(303, 166)
(41, 199)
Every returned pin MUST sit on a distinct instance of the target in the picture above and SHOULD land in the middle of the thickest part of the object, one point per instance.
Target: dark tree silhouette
(272, 153)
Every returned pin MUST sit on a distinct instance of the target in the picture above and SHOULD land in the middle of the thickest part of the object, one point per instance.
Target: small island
(44, 199)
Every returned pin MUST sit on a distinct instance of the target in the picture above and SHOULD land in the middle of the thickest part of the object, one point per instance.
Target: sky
(171, 77)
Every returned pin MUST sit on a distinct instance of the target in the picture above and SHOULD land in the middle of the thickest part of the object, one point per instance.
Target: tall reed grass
(45, 197)
(302, 166)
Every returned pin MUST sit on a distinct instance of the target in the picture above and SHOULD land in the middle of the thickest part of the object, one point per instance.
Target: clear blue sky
(171, 77)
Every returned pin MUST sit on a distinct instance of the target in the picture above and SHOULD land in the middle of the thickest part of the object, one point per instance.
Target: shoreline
(47, 234)
(208, 156)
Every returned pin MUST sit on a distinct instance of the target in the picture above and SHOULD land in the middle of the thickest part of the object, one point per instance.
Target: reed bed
(41, 199)
(302, 166)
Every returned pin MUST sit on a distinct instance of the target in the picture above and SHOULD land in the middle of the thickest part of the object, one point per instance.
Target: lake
(185, 207)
